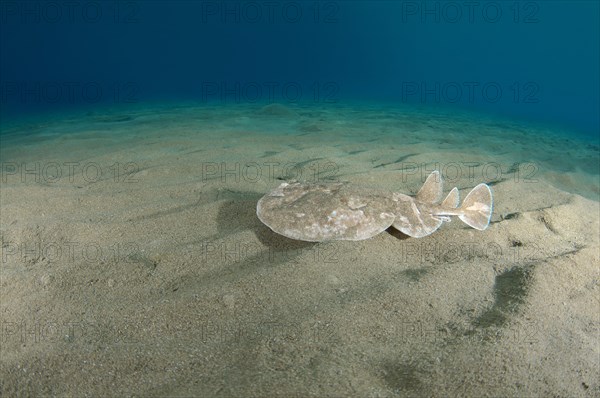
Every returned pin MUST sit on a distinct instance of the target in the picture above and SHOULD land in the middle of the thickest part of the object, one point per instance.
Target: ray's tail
(476, 209)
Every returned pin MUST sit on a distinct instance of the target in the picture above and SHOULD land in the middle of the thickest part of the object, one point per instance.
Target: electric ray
(341, 211)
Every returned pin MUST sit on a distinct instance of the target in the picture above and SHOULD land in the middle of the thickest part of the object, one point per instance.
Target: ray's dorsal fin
(432, 190)
(452, 200)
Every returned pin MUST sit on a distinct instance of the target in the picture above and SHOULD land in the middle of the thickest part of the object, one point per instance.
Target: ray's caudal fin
(475, 211)
(477, 207)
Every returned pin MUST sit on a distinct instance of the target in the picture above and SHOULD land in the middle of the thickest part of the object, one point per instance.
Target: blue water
(137, 138)
(536, 61)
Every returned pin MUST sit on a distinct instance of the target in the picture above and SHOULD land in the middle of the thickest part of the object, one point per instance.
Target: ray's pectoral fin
(412, 217)
(414, 222)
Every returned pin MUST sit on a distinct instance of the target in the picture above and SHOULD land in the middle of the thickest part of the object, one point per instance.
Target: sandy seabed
(133, 263)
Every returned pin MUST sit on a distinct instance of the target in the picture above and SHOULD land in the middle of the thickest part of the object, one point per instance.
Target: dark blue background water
(534, 60)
